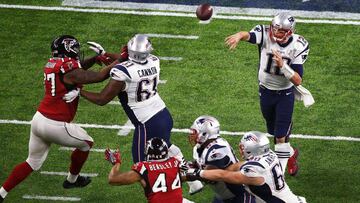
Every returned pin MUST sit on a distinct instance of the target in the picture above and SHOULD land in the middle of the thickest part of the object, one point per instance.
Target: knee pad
(35, 164)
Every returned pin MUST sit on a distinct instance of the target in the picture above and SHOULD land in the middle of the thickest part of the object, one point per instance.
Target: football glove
(193, 175)
(97, 48)
(124, 55)
(72, 95)
(113, 157)
(102, 59)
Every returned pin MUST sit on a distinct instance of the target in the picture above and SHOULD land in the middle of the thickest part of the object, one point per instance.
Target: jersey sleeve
(302, 50)
(218, 156)
(252, 169)
(120, 73)
(257, 34)
(69, 64)
(139, 168)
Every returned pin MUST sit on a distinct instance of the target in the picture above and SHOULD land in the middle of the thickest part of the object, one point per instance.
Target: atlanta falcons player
(213, 152)
(282, 55)
(159, 174)
(261, 173)
(52, 122)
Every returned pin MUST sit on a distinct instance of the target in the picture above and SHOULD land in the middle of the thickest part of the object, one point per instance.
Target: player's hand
(102, 59)
(113, 157)
(97, 48)
(233, 40)
(124, 53)
(72, 95)
(193, 175)
(184, 166)
(277, 58)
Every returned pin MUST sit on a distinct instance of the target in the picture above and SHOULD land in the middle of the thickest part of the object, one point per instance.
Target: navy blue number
(278, 177)
(143, 93)
(269, 65)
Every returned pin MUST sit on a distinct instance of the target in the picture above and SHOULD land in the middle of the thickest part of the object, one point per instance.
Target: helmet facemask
(66, 46)
(156, 149)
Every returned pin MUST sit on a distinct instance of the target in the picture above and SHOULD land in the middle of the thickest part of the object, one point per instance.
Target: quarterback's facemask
(254, 144)
(156, 149)
(204, 128)
(282, 27)
(139, 48)
(65, 46)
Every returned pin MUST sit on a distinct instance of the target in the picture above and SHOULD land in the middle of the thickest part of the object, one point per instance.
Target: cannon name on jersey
(295, 51)
(140, 99)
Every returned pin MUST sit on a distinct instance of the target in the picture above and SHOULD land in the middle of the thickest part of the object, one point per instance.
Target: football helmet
(156, 149)
(204, 128)
(282, 27)
(139, 48)
(254, 144)
(65, 46)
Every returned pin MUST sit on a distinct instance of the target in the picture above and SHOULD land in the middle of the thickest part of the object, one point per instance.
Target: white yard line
(54, 173)
(300, 136)
(217, 9)
(172, 36)
(170, 58)
(54, 198)
(124, 132)
(72, 149)
(350, 16)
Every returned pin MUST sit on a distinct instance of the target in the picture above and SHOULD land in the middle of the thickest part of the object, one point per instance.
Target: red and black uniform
(53, 106)
(163, 183)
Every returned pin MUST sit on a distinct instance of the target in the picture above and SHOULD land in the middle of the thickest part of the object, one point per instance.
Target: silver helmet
(139, 48)
(282, 26)
(254, 144)
(204, 128)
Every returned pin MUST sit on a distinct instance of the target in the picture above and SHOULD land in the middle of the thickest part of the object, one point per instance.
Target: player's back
(140, 98)
(274, 189)
(163, 183)
(53, 106)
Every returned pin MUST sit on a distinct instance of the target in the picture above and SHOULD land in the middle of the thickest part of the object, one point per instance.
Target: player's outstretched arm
(233, 40)
(233, 177)
(111, 90)
(122, 178)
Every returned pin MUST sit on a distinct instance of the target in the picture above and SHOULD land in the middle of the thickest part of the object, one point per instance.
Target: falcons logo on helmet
(68, 44)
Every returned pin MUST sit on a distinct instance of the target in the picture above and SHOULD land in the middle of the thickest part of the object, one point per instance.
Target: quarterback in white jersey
(213, 152)
(282, 54)
(261, 172)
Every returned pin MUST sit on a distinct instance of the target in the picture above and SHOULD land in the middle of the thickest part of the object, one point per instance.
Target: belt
(276, 91)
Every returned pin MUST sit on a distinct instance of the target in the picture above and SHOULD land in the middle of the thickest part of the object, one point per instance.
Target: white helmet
(204, 128)
(139, 48)
(282, 27)
(254, 144)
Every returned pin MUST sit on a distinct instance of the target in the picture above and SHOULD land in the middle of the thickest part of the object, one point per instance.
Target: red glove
(103, 59)
(113, 157)
(124, 53)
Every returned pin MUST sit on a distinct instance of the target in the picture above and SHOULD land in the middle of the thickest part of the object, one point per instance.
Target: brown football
(204, 11)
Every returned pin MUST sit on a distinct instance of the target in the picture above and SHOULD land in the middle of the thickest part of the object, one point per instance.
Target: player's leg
(139, 141)
(268, 101)
(38, 150)
(283, 149)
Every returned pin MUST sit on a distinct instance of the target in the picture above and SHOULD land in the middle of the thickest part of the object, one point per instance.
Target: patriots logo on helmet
(251, 138)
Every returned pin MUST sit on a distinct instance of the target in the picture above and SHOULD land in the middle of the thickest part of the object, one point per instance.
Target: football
(204, 11)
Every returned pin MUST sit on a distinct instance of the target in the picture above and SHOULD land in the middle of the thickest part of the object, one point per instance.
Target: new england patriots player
(159, 174)
(135, 83)
(213, 152)
(261, 173)
(51, 123)
(282, 55)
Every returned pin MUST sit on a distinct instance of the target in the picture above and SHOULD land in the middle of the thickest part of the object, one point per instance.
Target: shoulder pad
(252, 168)
(119, 72)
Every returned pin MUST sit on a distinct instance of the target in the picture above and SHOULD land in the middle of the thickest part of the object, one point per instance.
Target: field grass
(209, 80)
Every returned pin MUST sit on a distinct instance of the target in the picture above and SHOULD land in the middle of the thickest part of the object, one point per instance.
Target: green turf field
(209, 80)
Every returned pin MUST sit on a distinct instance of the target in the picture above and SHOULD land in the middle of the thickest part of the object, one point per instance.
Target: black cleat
(1, 199)
(81, 181)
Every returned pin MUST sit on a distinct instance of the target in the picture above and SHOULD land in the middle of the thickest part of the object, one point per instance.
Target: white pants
(45, 131)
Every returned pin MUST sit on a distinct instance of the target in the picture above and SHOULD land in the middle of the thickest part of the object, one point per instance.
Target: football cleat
(195, 187)
(81, 181)
(1, 199)
(292, 164)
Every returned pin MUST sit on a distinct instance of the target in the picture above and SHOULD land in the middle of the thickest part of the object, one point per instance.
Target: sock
(78, 159)
(3, 192)
(284, 151)
(18, 174)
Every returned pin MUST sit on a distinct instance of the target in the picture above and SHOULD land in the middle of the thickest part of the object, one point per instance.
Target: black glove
(195, 175)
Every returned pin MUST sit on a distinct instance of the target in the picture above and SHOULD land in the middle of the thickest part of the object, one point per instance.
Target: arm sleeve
(298, 68)
(257, 34)
(302, 50)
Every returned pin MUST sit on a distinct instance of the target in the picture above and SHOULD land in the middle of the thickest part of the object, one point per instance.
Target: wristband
(288, 72)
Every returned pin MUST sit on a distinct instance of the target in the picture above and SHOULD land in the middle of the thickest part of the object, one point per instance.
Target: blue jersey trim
(123, 69)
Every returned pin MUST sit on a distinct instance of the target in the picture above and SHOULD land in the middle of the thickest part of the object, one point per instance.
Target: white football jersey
(217, 153)
(295, 51)
(140, 98)
(274, 188)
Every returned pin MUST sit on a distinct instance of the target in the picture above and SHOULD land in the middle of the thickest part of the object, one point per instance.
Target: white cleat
(195, 186)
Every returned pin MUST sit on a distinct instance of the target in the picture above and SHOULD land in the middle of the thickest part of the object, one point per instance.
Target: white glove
(97, 48)
(70, 96)
(302, 94)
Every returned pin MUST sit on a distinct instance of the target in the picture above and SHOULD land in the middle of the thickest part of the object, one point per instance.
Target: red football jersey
(163, 183)
(53, 106)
